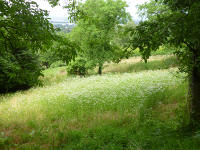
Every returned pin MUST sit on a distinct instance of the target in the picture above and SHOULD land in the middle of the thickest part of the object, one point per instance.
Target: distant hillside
(64, 24)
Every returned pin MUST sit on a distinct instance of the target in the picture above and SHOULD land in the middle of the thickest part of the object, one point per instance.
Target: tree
(62, 49)
(97, 23)
(24, 28)
(178, 23)
(122, 39)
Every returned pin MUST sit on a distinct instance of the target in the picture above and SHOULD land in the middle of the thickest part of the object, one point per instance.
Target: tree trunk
(100, 70)
(194, 85)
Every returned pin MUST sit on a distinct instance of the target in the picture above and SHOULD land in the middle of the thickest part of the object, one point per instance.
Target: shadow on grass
(141, 66)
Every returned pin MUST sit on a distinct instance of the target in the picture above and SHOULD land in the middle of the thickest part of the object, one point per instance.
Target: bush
(163, 50)
(18, 71)
(57, 64)
(79, 66)
(47, 58)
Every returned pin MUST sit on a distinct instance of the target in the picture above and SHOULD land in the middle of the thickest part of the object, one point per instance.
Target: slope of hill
(135, 110)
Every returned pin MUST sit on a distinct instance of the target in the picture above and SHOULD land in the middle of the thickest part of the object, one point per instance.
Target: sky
(58, 12)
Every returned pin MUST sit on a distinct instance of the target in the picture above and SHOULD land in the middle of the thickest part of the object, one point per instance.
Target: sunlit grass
(83, 103)
(53, 75)
(138, 110)
(135, 64)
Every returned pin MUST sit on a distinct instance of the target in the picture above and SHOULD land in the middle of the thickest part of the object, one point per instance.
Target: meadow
(132, 106)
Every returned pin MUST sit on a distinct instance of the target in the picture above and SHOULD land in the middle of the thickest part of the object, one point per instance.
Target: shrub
(57, 64)
(79, 66)
(18, 71)
(25, 29)
(47, 58)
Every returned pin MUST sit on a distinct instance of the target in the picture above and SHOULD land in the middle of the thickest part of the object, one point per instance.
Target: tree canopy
(24, 28)
(97, 25)
(178, 23)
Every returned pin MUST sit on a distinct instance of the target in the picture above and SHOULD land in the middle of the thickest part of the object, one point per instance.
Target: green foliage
(161, 51)
(62, 49)
(24, 29)
(19, 71)
(48, 57)
(174, 22)
(79, 66)
(96, 28)
(57, 64)
(55, 2)
(122, 40)
(150, 10)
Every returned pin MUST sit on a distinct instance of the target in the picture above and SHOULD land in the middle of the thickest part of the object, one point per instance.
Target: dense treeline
(28, 42)
(176, 23)
(103, 33)
(24, 29)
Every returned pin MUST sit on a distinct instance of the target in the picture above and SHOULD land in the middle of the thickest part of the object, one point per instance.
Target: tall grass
(136, 65)
(139, 110)
(121, 111)
(53, 76)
